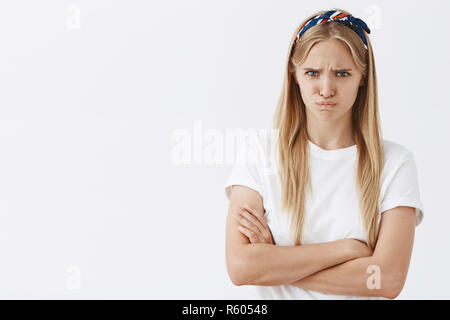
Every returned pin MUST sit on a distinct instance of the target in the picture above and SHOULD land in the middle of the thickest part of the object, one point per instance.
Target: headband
(353, 23)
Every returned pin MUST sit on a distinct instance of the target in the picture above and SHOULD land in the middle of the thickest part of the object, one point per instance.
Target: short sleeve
(246, 168)
(402, 187)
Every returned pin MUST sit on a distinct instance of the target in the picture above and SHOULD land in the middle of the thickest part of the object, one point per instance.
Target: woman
(337, 219)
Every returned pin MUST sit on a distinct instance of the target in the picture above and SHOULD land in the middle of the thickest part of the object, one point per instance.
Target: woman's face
(328, 75)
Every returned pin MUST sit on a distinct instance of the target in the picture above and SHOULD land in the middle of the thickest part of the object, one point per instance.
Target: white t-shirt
(333, 212)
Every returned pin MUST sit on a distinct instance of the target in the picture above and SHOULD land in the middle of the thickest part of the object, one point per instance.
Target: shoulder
(400, 184)
(398, 162)
(260, 142)
(259, 150)
(395, 153)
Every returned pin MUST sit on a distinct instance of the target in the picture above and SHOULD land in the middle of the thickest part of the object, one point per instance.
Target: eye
(347, 74)
(307, 72)
(341, 74)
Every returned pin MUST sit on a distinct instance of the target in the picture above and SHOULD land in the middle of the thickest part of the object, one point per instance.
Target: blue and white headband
(353, 23)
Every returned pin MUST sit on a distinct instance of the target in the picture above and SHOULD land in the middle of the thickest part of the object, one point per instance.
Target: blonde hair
(293, 147)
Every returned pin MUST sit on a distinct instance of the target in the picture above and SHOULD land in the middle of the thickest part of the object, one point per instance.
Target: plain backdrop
(92, 96)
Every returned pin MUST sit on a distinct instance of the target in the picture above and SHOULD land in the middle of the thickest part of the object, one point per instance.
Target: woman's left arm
(384, 273)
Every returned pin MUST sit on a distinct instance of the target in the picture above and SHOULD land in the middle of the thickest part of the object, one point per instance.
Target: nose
(327, 87)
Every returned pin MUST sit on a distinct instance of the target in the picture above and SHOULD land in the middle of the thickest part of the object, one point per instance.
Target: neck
(331, 135)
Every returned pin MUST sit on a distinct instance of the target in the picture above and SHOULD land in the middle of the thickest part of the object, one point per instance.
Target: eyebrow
(316, 69)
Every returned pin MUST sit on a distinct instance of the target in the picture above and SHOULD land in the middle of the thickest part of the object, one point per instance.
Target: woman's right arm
(271, 265)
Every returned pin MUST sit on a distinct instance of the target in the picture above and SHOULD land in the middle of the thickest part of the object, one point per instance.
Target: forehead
(331, 52)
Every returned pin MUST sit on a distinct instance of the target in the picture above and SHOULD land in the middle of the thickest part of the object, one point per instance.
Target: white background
(92, 204)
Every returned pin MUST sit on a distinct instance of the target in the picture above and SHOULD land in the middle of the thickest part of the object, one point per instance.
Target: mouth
(327, 105)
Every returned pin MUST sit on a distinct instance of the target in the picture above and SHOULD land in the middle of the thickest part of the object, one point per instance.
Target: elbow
(237, 281)
(391, 294)
(394, 286)
(235, 274)
(237, 271)
(390, 277)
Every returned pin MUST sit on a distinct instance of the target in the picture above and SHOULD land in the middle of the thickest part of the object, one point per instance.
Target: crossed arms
(340, 267)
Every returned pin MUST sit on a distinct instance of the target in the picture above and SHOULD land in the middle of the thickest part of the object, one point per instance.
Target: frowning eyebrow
(316, 69)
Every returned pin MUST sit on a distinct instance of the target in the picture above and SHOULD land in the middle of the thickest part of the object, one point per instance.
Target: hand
(254, 226)
(359, 248)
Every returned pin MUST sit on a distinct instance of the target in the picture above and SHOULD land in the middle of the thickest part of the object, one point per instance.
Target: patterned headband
(353, 23)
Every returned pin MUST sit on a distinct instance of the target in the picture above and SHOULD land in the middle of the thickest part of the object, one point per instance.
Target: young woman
(337, 219)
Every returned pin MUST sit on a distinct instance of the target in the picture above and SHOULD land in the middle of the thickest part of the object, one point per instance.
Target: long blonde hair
(293, 147)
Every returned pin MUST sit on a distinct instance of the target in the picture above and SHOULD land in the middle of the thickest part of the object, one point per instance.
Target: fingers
(257, 214)
(249, 234)
(251, 228)
(255, 223)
